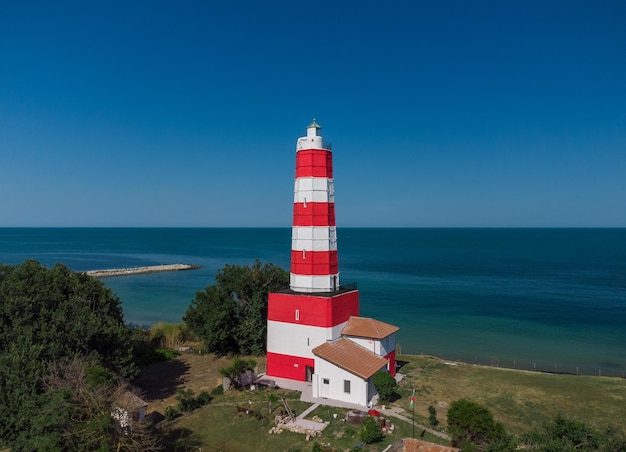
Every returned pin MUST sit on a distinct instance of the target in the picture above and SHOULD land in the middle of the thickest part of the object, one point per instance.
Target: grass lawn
(521, 400)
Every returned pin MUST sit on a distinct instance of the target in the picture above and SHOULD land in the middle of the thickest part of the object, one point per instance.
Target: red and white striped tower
(314, 235)
(315, 308)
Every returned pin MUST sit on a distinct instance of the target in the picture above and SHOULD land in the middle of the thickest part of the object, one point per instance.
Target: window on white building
(346, 386)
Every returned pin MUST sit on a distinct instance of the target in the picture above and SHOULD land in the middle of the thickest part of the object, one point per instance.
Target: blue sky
(441, 113)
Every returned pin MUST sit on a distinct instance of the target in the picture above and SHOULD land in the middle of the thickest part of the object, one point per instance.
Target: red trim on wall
(314, 163)
(287, 366)
(314, 262)
(314, 214)
(322, 311)
(391, 357)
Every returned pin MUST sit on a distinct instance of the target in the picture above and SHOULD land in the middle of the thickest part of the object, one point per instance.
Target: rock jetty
(140, 270)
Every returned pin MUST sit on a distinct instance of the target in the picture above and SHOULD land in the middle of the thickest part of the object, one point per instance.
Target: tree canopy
(47, 317)
(231, 315)
(385, 385)
(472, 427)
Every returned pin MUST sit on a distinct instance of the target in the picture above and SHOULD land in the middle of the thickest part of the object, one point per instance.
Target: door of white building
(325, 388)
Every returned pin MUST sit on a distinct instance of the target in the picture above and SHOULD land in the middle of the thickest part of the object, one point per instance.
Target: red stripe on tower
(314, 264)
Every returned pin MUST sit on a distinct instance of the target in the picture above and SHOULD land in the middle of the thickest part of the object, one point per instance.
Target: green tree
(473, 428)
(385, 385)
(371, 432)
(231, 315)
(47, 316)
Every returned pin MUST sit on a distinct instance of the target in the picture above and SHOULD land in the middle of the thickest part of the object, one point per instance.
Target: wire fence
(539, 365)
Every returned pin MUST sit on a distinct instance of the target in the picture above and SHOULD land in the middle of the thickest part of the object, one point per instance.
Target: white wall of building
(297, 339)
(380, 347)
(388, 345)
(371, 344)
(335, 388)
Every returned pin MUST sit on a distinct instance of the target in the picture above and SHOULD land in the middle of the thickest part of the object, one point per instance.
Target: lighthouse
(314, 234)
(316, 307)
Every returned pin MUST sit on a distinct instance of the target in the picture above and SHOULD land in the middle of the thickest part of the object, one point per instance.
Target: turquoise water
(545, 299)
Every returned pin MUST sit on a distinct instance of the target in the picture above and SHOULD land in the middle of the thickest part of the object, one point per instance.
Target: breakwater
(140, 270)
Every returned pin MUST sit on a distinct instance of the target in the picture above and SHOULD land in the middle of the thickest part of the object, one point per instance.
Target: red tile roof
(369, 328)
(351, 357)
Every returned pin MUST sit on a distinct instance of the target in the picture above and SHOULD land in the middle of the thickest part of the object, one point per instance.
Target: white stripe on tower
(314, 236)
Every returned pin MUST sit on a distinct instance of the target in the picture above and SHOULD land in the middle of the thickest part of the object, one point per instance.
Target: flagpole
(413, 408)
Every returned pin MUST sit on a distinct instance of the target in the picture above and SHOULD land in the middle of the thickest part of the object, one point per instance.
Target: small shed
(134, 406)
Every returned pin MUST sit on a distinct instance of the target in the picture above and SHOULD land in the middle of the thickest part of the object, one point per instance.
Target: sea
(550, 300)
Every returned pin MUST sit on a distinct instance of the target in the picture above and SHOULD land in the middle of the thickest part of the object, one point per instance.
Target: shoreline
(112, 272)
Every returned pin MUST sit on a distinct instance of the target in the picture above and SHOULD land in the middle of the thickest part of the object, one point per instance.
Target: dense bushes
(231, 315)
(473, 428)
(50, 318)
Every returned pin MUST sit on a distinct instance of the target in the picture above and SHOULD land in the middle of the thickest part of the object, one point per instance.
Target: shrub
(385, 385)
(218, 390)
(432, 416)
(168, 335)
(370, 431)
(203, 398)
(472, 427)
(186, 400)
(171, 413)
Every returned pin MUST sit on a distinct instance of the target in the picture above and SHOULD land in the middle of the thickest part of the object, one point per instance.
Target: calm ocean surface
(545, 299)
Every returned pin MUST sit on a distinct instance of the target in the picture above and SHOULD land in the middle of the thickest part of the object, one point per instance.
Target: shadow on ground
(162, 380)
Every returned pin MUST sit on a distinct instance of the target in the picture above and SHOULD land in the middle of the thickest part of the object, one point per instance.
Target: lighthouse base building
(314, 331)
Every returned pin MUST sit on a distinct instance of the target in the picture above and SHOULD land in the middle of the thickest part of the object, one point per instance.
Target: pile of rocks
(293, 427)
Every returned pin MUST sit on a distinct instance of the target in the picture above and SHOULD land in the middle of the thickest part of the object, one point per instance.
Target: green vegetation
(234, 371)
(522, 401)
(564, 434)
(169, 335)
(473, 428)
(432, 416)
(187, 402)
(593, 401)
(231, 315)
(63, 348)
(219, 426)
(370, 431)
(385, 386)
(66, 357)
